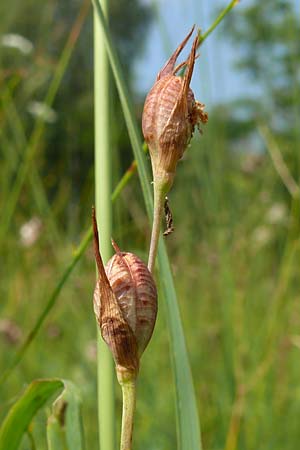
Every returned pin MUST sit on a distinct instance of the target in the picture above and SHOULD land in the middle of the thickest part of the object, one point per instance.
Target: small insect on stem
(125, 305)
(170, 117)
(168, 217)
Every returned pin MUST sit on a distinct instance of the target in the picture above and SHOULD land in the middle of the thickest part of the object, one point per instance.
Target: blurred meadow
(235, 250)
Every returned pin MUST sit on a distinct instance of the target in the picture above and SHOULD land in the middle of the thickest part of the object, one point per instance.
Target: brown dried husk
(135, 291)
(166, 125)
(171, 113)
(125, 305)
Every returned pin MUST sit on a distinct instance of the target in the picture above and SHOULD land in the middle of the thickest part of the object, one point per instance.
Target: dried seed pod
(125, 304)
(170, 115)
(135, 290)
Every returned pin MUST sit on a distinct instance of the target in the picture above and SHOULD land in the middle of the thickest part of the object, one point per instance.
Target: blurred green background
(235, 203)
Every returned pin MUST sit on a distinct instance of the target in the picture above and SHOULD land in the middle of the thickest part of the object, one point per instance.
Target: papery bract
(171, 114)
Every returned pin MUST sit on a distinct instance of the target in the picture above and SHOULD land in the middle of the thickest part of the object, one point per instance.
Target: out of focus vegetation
(235, 250)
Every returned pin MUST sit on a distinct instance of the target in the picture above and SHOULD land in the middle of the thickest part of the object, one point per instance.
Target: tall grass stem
(129, 400)
(218, 20)
(39, 127)
(159, 198)
(105, 366)
(182, 371)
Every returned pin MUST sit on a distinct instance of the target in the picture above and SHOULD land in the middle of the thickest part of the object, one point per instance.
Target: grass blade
(187, 416)
(55, 436)
(175, 317)
(127, 107)
(188, 424)
(33, 143)
(49, 305)
(105, 366)
(22, 412)
(64, 429)
(14, 122)
(51, 301)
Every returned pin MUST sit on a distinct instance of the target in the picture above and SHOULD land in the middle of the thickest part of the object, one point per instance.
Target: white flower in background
(43, 111)
(276, 214)
(30, 231)
(295, 340)
(91, 350)
(10, 331)
(251, 162)
(264, 197)
(18, 42)
(261, 236)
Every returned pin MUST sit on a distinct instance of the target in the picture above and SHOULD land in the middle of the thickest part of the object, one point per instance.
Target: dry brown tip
(190, 67)
(169, 66)
(183, 64)
(115, 246)
(99, 262)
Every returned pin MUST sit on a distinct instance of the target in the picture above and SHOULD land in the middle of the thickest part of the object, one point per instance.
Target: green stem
(77, 254)
(105, 365)
(48, 305)
(162, 184)
(225, 11)
(39, 127)
(129, 398)
(51, 301)
(39, 193)
(159, 198)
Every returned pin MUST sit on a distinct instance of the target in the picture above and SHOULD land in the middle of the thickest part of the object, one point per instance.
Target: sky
(215, 79)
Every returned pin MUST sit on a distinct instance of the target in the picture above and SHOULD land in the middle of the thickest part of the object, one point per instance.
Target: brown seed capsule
(125, 304)
(170, 115)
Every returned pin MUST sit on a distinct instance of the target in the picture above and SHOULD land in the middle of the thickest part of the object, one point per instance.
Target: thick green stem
(159, 198)
(162, 184)
(129, 398)
(105, 365)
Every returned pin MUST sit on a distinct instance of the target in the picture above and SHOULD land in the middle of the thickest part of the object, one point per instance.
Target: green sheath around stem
(129, 398)
(159, 198)
(162, 184)
(105, 366)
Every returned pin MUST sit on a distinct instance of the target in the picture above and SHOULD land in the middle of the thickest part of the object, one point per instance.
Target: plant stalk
(129, 399)
(219, 19)
(39, 127)
(162, 185)
(158, 212)
(105, 366)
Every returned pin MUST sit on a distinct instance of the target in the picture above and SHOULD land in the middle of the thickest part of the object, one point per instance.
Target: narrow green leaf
(188, 426)
(103, 188)
(186, 405)
(127, 107)
(22, 412)
(79, 252)
(65, 430)
(55, 435)
(39, 127)
(48, 305)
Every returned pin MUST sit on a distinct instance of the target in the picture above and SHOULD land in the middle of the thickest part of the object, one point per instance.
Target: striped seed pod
(171, 114)
(125, 304)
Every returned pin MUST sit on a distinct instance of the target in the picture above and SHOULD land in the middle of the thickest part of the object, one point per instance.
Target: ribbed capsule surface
(125, 305)
(171, 112)
(167, 124)
(135, 291)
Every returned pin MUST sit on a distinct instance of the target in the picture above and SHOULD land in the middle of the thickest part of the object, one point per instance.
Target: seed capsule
(171, 114)
(125, 304)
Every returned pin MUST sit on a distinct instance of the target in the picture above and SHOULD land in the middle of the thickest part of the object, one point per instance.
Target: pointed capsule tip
(169, 66)
(190, 66)
(115, 246)
(99, 262)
